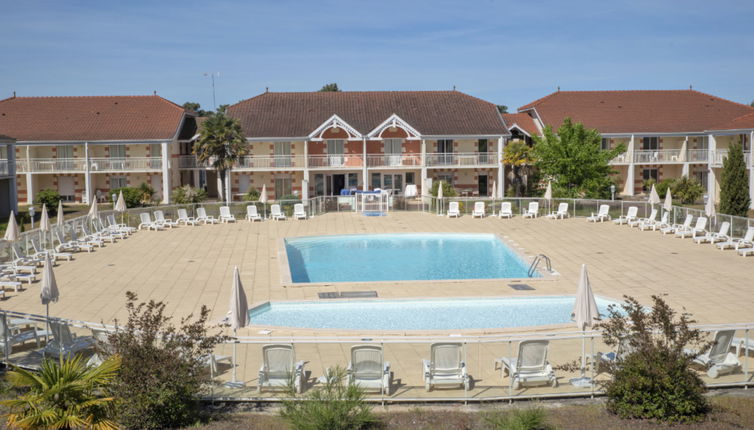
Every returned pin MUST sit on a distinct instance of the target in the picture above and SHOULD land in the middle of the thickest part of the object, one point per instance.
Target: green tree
(502, 108)
(196, 107)
(221, 144)
(518, 156)
(573, 158)
(734, 183)
(188, 194)
(49, 197)
(65, 393)
(333, 87)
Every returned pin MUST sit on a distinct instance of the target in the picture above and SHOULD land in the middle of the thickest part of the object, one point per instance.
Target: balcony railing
(697, 155)
(50, 165)
(720, 155)
(394, 160)
(658, 156)
(620, 159)
(125, 164)
(461, 159)
(344, 161)
(5, 166)
(271, 162)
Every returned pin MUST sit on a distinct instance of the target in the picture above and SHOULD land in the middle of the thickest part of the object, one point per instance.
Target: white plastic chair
(561, 213)
(64, 342)
(146, 222)
(699, 228)
(201, 216)
(159, 218)
(718, 360)
(671, 229)
(532, 211)
(368, 369)
(530, 367)
(252, 214)
(712, 237)
(446, 366)
(602, 215)
(648, 222)
(280, 368)
(629, 217)
(298, 211)
(453, 210)
(225, 215)
(276, 213)
(184, 218)
(506, 211)
(479, 210)
(746, 242)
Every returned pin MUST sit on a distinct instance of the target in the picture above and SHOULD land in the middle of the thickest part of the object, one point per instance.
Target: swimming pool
(401, 257)
(429, 314)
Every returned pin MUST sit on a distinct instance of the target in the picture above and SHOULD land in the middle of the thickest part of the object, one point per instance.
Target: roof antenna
(691, 87)
(266, 89)
(14, 94)
(558, 88)
(154, 92)
(454, 87)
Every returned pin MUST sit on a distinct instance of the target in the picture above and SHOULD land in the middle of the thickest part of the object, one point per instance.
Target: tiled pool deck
(192, 266)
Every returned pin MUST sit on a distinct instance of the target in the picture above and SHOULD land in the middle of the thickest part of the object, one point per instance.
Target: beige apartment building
(667, 134)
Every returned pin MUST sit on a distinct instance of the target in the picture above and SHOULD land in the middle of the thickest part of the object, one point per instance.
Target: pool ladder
(535, 263)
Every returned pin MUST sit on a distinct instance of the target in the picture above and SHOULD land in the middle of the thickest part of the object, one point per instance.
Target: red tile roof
(665, 111)
(297, 114)
(744, 122)
(90, 118)
(523, 120)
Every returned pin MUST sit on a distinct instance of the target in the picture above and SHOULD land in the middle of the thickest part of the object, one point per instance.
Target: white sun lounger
(530, 367)
(71, 245)
(446, 366)
(479, 210)
(96, 237)
(561, 213)
(20, 257)
(453, 211)
(184, 218)
(720, 236)
(746, 242)
(201, 216)
(252, 214)
(648, 222)
(56, 255)
(602, 215)
(506, 210)
(298, 211)
(100, 228)
(629, 217)
(718, 360)
(17, 337)
(280, 367)
(532, 211)
(225, 215)
(114, 226)
(159, 218)
(671, 229)
(86, 240)
(146, 222)
(65, 342)
(368, 369)
(699, 228)
(276, 213)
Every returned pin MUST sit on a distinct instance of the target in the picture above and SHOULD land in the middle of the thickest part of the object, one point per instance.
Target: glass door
(64, 153)
(117, 156)
(282, 154)
(445, 151)
(393, 152)
(392, 181)
(155, 152)
(482, 148)
(335, 151)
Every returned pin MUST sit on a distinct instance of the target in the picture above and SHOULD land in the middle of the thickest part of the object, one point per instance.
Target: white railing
(720, 155)
(620, 159)
(270, 162)
(338, 161)
(461, 159)
(125, 164)
(697, 155)
(190, 162)
(5, 167)
(748, 159)
(658, 156)
(394, 160)
(50, 165)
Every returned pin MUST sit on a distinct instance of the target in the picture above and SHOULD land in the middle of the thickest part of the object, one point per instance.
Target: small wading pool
(429, 314)
(401, 257)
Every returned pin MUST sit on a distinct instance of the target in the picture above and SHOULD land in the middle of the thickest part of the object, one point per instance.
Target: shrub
(136, 196)
(662, 187)
(188, 194)
(336, 405)
(447, 189)
(519, 419)
(252, 195)
(49, 197)
(653, 380)
(646, 185)
(65, 393)
(162, 366)
(687, 190)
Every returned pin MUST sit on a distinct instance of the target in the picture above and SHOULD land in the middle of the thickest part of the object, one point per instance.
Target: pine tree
(734, 183)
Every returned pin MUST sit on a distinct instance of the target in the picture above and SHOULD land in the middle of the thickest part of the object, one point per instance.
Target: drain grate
(521, 287)
(347, 294)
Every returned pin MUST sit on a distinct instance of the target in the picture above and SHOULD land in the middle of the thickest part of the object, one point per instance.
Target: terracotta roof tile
(90, 118)
(523, 121)
(665, 111)
(744, 122)
(297, 114)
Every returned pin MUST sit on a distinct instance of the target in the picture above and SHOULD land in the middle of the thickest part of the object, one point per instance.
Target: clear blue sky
(505, 52)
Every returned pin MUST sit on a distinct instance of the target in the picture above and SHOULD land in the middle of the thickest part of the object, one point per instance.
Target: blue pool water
(430, 314)
(401, 257)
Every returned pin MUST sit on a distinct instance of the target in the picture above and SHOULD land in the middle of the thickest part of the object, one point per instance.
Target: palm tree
(221, 143)
(64, 394)
(517, 155)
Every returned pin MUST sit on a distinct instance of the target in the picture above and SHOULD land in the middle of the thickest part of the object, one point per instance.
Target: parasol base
(582, 382)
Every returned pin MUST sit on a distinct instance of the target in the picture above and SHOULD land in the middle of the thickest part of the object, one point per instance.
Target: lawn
(731, 411)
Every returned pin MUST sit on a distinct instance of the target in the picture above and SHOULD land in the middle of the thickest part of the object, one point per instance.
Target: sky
(505, 52)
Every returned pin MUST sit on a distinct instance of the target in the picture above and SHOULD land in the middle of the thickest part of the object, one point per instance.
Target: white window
(282, 154)
(335, 151)
(650, 143)
(118, 182)
(283, 187)
(393, 151)
(117, 151)
(605, 143)
(445, 177)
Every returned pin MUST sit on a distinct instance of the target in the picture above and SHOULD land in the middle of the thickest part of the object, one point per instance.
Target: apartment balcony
(396, 161)
(345, 161)
(462, 159)
(620, 159)
(270, 162)
(129, 164)
(664, 156)
(51, 165)
(697, 155)
(5, 167)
